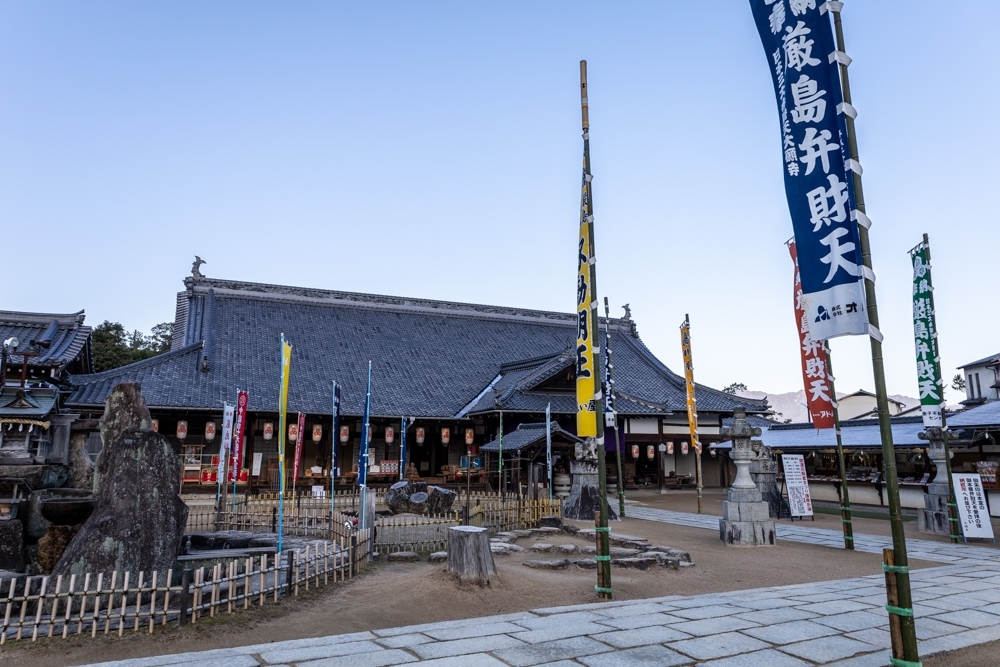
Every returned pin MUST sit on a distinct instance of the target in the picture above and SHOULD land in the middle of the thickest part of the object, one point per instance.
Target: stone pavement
(837, 623)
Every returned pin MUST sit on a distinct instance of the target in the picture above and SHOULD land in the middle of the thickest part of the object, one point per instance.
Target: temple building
(450, 368)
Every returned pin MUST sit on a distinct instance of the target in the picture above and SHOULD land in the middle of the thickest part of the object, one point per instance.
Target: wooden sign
(973, 513)
(797, 482)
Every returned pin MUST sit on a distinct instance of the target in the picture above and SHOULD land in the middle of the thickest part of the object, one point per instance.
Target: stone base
(742, 511)
(747, 533)
(584, 502)
(748, 495)
(936, 509)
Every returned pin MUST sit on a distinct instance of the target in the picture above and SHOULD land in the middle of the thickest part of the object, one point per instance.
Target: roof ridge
(41, 319)
(90, 378)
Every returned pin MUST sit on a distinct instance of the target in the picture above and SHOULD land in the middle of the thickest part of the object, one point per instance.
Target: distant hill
(791, 405)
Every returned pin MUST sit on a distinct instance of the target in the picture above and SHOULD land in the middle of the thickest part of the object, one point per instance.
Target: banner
(227, 438)
(365, 428)
(286, 369)
(797, 483)
(798, 41)
(692, 404)
(814, 371)
(972, 510)
(298, 446)
(334, 432)
(586, 411)
(925, 340)
(240, 429)
(402, 448)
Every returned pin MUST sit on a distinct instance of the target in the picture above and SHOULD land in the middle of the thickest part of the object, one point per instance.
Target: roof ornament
(628, 312)
(196, 267)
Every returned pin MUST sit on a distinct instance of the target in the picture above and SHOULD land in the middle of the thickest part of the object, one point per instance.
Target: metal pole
(845, 500)
(468, 482)
(952, 502)
(603, 537)
(611, 402)
(900, 567)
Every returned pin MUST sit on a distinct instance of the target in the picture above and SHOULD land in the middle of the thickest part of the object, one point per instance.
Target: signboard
(802, 56)
(227, 437)
(815, 376)
(258, 458)
(972, 511)
(797, 483)
(925, 340)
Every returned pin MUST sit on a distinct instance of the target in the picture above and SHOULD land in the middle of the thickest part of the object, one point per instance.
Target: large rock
(139, 519)
(37, 476)
(440, 499)
(12, 545)
(52, 546)
(398, 497)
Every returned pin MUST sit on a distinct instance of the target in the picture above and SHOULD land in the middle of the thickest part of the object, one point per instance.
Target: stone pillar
(746, 519)
(764, 471)
(936, 499)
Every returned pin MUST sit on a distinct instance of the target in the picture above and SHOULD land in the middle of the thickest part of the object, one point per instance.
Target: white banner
(227, 438)
(797, 482)
(257, 458)
(972, 511)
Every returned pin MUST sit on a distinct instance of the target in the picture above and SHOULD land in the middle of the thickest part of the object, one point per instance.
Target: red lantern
(421, 435)
(156, 426)
(182, 429)
(684, 448)
(635, 451)
(650, 452)
(209, 431)
(268, 431)
(345, 433)
(390, 435)
(317, 432)
(470, 436)
(445, 435)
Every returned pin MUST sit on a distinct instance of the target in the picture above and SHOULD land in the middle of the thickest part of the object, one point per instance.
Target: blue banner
(798, 40)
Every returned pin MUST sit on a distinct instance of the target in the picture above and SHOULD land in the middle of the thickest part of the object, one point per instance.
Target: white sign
(318, 492)
(257, 458)
(227, 438)
(972, 511)
(799, 499)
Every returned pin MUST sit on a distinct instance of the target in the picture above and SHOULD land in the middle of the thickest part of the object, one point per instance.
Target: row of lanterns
(317, 433)
(668, 448)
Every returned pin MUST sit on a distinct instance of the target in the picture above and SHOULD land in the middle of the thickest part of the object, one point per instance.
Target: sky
(433, 150)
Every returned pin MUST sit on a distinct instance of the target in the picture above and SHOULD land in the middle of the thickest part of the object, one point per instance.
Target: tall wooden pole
(845, 499)
(610, 388)
(603, 538)
(903, 609)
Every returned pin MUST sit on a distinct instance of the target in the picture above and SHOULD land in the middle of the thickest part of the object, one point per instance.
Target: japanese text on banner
(925, 340)
(798, 41)
(815, 376)
(692, 404)
(586, 373)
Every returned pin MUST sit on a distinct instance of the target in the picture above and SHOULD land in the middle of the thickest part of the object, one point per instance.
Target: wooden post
(892, 596)
(185, 598)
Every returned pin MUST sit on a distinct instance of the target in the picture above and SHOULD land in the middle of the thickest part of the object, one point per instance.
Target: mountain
(791, 405)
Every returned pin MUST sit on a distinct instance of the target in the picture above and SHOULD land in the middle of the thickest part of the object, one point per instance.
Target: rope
(899, 662)
(899, 611)
(901, 569)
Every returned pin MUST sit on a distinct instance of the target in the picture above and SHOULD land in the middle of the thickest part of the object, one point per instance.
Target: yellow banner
(286, 367)
(692, 406)
(586, 372)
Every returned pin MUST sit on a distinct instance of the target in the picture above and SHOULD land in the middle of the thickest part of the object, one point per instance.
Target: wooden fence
(44, 606)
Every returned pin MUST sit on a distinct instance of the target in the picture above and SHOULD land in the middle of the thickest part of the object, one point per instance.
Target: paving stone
(766, 658)
(655, 634)
(554, 632)
(647, 656)
(379, 659)
(473, 630)
(536, 622)
(828, 649)
(559, 564)
(969, 618)
(698, 613)
(779, 615)
(463, 646)
(832, 607)
(642, 621)
(404, 557)
(855, 620)
(632, 610)
(874, 636)
(536, 654)
(540, 546)
(711, 626)
(788, 633)
(568, 548)
(326, 651)
(515, 617)
(438, 557)
(473, 660)
(402, 641)
(717, 646)
(929, 628)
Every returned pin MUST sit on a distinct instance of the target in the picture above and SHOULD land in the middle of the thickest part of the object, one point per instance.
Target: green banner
(925, 339)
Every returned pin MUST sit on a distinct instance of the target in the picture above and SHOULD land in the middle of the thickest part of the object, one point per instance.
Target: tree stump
(440, 499)
(469, 554)
(398, 497)
(418, 503)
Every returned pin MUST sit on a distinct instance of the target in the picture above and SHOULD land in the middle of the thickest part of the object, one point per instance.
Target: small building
(982, 380)
(863, 404)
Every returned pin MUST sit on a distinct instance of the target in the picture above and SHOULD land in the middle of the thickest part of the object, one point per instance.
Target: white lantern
(156, 426)
(317, 432)
(293, 432)
(209, 431)
(445, 435)
(182, 430)
(345, 433)
(684, 448)
(421, 435)
(470, 436)
(390, 435)
(268, 431)
(670, 448)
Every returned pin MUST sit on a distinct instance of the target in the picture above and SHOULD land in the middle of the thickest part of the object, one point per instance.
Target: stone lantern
(745, 518)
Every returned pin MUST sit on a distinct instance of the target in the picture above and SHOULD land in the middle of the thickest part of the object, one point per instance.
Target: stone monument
(746, 519)
(938, 493)
(584, 502)
(764, 471)
(139, 516)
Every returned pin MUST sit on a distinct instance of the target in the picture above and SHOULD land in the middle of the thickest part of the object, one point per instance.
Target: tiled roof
(66, 334)
(981, 416)
(431, 358)
(527, 435)
(985, 360)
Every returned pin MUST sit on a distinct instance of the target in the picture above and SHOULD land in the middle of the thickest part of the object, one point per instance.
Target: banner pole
(900, 566)
(692, 402)
(548, 446)
(845, 499)
(611, 402)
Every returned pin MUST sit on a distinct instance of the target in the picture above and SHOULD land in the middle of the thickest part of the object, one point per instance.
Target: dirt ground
(423, 593)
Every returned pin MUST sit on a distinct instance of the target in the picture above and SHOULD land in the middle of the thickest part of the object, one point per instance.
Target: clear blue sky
(433, 149)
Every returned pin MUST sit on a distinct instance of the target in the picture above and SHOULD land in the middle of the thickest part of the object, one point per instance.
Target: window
(970, 389)
(979, 391)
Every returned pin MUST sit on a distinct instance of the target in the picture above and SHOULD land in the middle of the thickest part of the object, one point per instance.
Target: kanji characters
(819, 391)
(811, 347)
(928, 389)
(798, 49)
(810, 105)
(828, 204)
(836, 259)
(817, 147)
(777, 18)
(799, 7)
(815, 368)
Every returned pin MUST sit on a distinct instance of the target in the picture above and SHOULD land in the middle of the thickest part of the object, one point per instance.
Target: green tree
(958, 382)
(735, 388)
(114, 347)
(163, 335)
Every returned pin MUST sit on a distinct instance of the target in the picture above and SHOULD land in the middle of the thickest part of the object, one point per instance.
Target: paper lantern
(670, 448)
(345, 433)
(650, 452)
(684, 448)
(713, 452)
(369, 433)
(182, 429)
(421, 435)
(390, 435)
(293, 432)
(317, 432)
(470, 436)
(156, 426)
(268, 431)
(635, 451)
(209, 431)
(445, 435)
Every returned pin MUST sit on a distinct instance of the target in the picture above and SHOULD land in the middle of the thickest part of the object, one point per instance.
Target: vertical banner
(925, 340)
(548, 445)
(797, 483)
(334, 435)
(239, 433)
(692, 405)
(297, 464)
(814, 371)
(586, 373)
(799, 45)
(972, 510)
(365, 429)
(286, 369)
(227, 438)
(402, 448)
